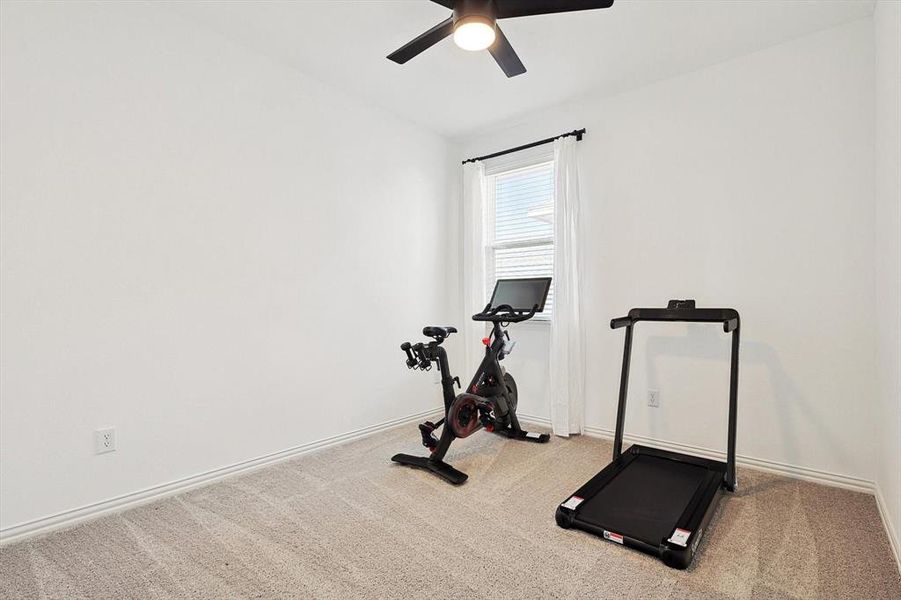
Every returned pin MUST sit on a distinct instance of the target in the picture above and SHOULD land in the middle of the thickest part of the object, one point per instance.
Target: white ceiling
(457, 93)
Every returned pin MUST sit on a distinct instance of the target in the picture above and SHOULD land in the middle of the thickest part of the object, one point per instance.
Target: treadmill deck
(641, 499)
(645, 499)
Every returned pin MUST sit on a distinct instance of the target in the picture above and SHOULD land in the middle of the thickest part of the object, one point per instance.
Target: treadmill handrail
(727, 316)
(731, 323)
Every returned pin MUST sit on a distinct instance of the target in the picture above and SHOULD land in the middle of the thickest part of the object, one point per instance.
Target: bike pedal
(428, 438)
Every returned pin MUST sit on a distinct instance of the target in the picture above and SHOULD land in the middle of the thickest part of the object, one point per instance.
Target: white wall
(747, 184)
(216, 255)
(887, 321)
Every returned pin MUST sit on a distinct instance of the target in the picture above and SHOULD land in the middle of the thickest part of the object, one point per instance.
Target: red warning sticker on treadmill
(573, 502)
(680, 536)
(613, 537)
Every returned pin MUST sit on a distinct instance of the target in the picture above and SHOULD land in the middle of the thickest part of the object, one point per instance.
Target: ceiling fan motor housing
(467, 11)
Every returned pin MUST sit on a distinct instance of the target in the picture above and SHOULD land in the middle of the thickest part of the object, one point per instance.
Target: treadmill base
(652, 500)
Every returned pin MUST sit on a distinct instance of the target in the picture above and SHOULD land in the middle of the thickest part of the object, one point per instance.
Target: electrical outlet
(654, 398)
(104, 440)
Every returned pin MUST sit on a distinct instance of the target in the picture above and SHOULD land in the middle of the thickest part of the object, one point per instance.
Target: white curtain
(474, 207)
(567, 355)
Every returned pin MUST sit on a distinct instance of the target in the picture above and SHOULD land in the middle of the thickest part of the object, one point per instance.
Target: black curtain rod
(575, 132)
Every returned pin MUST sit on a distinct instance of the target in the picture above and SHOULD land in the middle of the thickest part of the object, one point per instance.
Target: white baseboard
(761, 464)
(92, 511)
(534, 419)
(890, 529)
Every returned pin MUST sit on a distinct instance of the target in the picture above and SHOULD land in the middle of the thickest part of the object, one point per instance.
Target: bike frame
(489, 367)
(488, 391)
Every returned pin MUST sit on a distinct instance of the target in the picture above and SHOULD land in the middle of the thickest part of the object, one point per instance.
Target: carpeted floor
(346, 523)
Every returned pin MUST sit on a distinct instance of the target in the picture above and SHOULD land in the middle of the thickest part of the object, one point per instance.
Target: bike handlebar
(510, 314)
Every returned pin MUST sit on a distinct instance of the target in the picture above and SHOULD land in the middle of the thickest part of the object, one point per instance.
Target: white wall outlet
(104, 440)
(654, 398)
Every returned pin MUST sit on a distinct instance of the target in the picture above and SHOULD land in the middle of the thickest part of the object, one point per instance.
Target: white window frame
(503, 165)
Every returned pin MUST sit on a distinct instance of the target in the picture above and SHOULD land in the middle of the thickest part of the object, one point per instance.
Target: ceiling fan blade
(423, 42)
(507, 9)
(506, 56)
(445, 3)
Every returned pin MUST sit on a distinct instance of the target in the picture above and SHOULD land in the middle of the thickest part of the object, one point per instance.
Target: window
(520, 227)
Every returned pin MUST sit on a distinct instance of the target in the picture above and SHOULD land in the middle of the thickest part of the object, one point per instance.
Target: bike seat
(435, 332)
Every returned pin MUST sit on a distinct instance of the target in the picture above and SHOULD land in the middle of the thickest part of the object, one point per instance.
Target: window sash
(533, 247)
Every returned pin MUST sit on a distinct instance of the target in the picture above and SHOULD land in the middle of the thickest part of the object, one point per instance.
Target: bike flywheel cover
(463, 416)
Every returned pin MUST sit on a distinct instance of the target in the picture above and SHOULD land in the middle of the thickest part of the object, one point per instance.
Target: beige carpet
(346, 523)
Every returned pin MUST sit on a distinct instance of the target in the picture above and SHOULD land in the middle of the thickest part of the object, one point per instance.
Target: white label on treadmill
(533, 436)
(573, 502)
(613, 537)
(680, 536)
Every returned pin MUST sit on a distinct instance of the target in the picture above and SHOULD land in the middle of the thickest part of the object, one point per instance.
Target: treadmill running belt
(646, 498)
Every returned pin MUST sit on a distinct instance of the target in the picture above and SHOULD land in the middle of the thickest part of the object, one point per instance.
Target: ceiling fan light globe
(474, 33)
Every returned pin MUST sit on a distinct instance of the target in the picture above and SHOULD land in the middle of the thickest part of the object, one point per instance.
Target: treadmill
(653, 500)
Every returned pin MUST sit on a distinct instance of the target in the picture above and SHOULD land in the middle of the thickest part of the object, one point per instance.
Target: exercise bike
(491, 397)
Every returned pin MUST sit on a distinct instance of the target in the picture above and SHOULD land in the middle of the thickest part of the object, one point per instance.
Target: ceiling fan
(474, 26)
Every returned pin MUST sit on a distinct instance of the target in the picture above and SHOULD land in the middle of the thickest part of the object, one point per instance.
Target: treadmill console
(681, 304)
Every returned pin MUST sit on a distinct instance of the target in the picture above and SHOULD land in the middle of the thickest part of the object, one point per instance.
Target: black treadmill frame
(720, 475)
